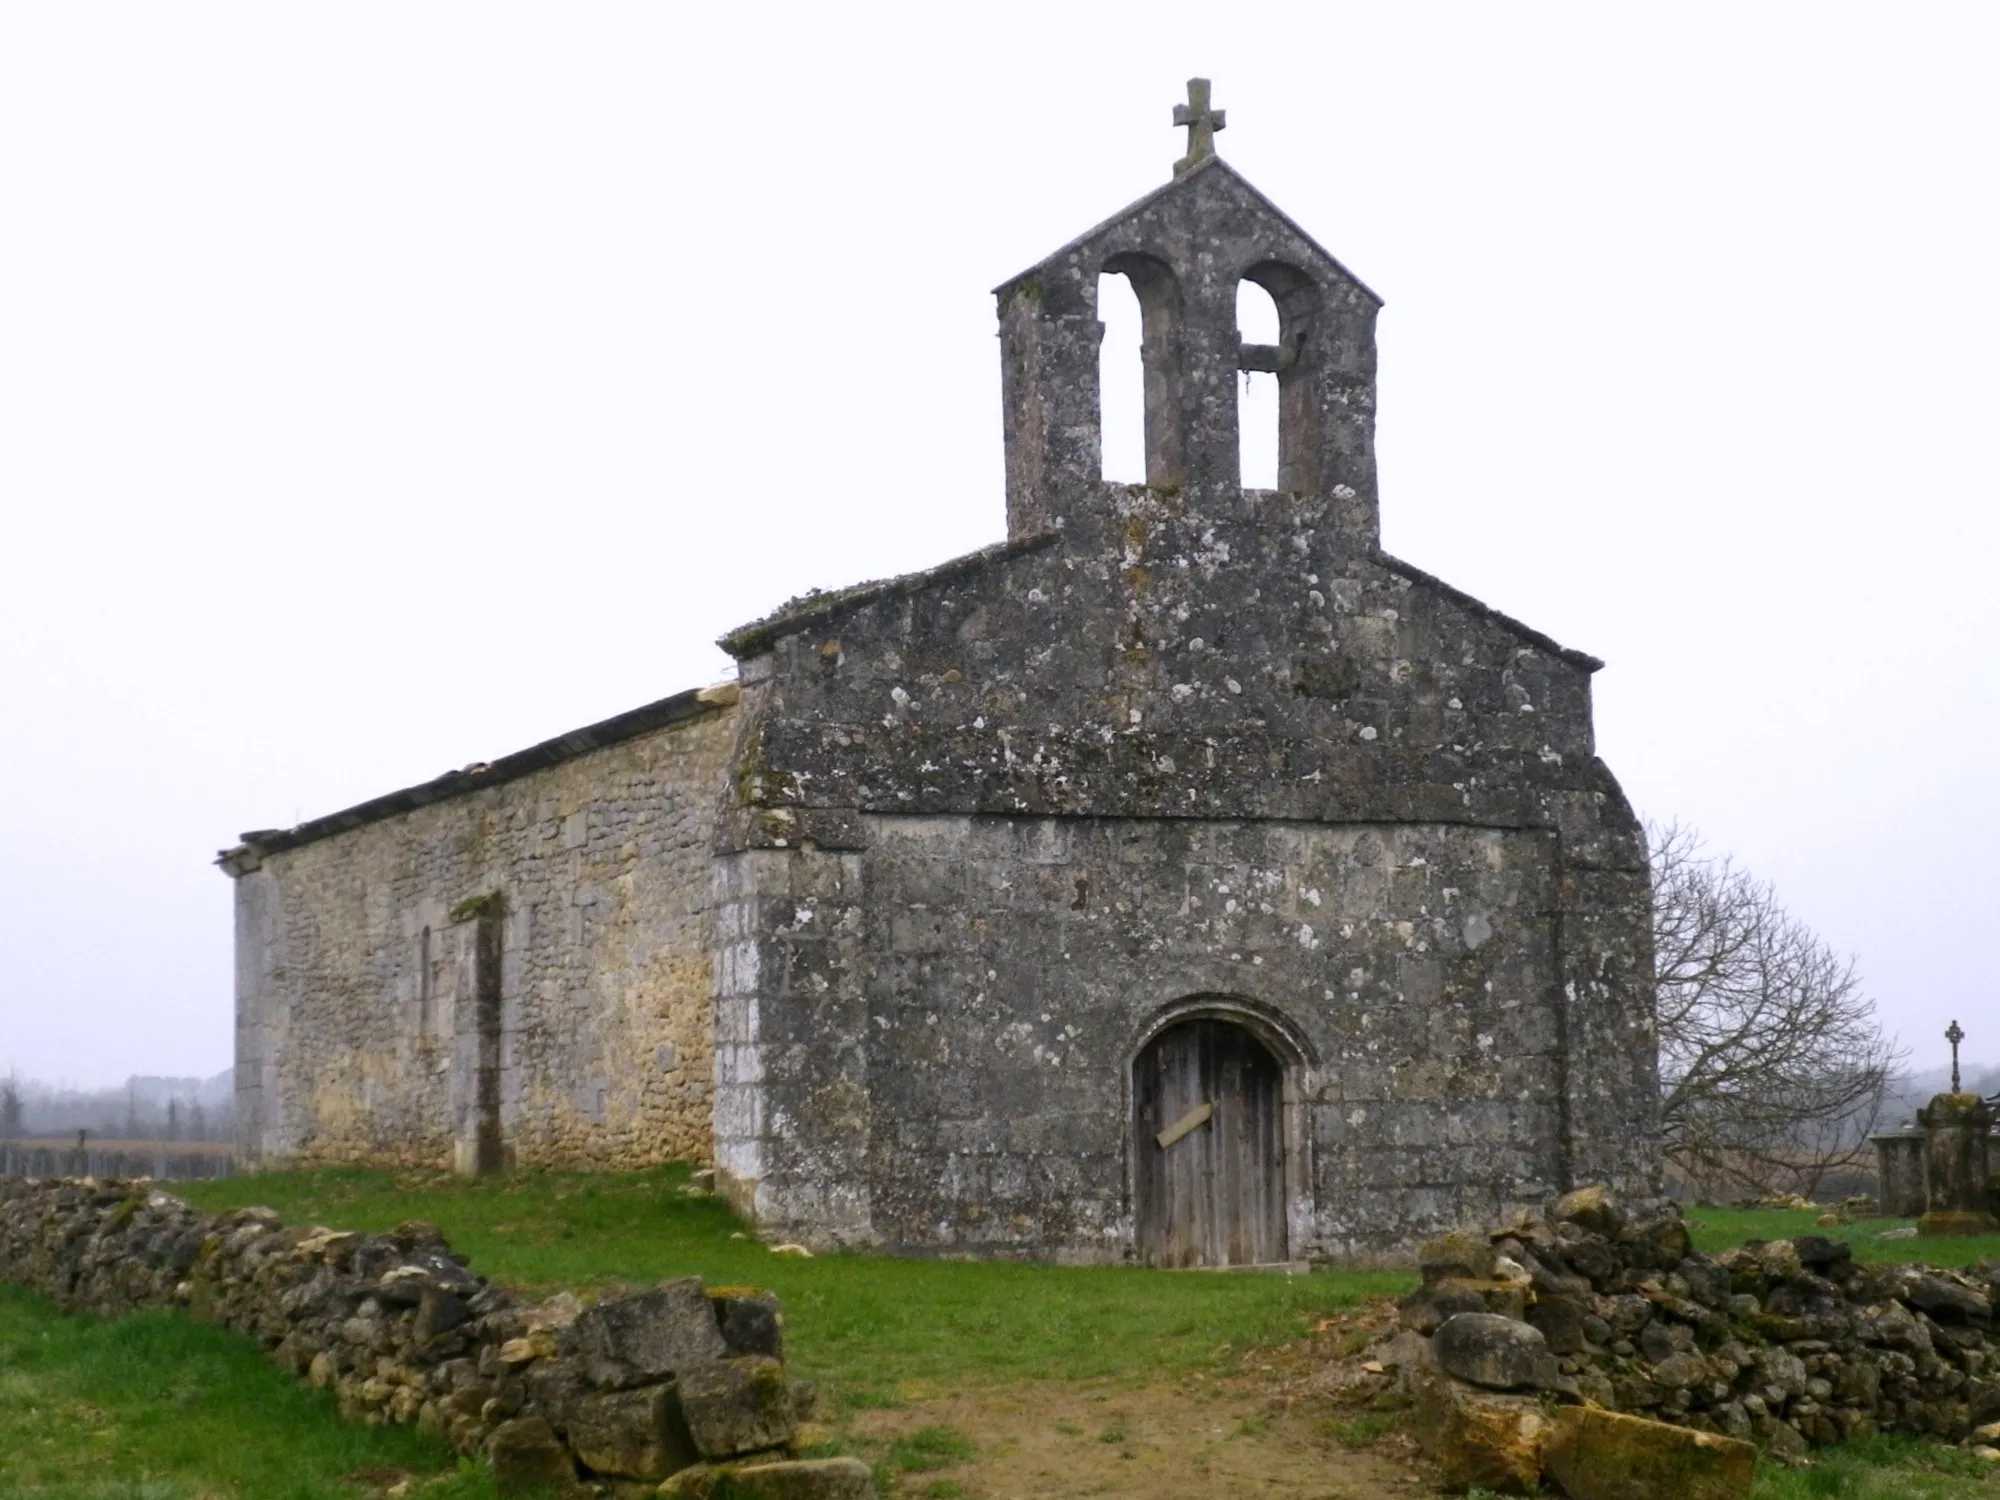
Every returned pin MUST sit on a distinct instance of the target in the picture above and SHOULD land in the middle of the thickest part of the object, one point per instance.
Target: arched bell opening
(1121, 382)
(1292, 357)
(1257, 389)
(1162, 461)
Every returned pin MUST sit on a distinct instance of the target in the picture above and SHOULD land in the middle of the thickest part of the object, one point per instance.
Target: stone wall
(1021, 808)
(1787, 1343)
(1405, 975)
(516, 973)
(669, 1383)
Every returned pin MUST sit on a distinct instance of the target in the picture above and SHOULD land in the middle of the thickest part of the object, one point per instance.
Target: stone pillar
(1958, 1134)
(1900, 1158)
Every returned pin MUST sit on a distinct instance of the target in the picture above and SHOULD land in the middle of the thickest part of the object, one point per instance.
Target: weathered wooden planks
(1208, 1187)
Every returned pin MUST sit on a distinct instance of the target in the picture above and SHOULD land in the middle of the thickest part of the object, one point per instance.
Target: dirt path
(1280, 1425)
(1198, 1440)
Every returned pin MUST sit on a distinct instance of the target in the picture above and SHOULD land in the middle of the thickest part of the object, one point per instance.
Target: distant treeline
(141, 1109)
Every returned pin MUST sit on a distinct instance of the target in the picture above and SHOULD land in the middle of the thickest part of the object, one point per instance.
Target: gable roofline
(1480, 607)
(820, 607)
(666, 713)
(1213, 164)
(696, 703)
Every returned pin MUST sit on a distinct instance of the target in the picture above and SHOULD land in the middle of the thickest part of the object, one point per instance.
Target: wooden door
(1214, 1193)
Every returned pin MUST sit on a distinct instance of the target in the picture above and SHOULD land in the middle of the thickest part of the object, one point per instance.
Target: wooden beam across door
(1192, 1120)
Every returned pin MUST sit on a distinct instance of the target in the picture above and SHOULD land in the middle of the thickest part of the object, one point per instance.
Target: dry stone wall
(675, 1383)
(1785, 1343)
(363, 960)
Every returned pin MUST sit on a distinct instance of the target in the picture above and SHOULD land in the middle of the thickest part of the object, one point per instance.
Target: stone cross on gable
(1954, 1036)
(1201, 122)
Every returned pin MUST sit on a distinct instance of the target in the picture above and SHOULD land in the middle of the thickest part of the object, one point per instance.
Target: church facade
(1181, 879)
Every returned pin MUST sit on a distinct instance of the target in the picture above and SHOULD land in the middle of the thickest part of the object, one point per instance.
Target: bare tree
(11, 1108)
(1773, 1069)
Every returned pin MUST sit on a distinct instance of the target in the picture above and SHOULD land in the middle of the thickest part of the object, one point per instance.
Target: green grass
(1719, 1228)
(159, 1407)
(929, 1448)
(878, 1329)
(1878, 1468)
(1883, 1468)
(1359, 1432)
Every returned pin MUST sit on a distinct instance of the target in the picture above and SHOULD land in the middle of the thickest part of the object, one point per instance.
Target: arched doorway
(1208, 1147)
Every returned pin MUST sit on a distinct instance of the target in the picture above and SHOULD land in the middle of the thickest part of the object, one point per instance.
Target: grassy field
(872, 1328)
(1883, 1468)
(156, 1407)
(1719, 1228)
(160, 1407)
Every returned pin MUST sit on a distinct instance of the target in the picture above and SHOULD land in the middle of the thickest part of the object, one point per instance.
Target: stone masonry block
(802, 1479)
(646, 1337)
(738, 1405)
(635, 1434)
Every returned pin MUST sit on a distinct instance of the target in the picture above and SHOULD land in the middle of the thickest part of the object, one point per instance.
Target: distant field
(136, 1145)
(1719, 1228)
(46, 1156)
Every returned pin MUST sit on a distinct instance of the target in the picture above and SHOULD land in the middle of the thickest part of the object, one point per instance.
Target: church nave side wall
(580, 892)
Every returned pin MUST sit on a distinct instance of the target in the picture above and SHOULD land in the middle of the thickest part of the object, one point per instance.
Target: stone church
(1182, 879)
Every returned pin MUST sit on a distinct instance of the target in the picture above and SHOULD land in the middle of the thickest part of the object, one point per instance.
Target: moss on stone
(1027, 289)
(475, 906)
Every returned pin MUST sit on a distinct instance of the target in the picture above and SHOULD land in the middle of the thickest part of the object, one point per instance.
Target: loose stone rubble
(1780, 1343)
(675, 1383)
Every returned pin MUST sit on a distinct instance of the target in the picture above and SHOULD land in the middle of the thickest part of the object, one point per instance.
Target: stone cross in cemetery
(1201, 122)
(1940, 1165)
(1958, 1135)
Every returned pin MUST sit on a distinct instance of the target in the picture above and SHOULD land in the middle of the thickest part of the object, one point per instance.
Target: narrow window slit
(426, 993)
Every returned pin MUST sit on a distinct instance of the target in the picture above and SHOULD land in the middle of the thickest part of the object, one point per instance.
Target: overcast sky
(389, 387)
